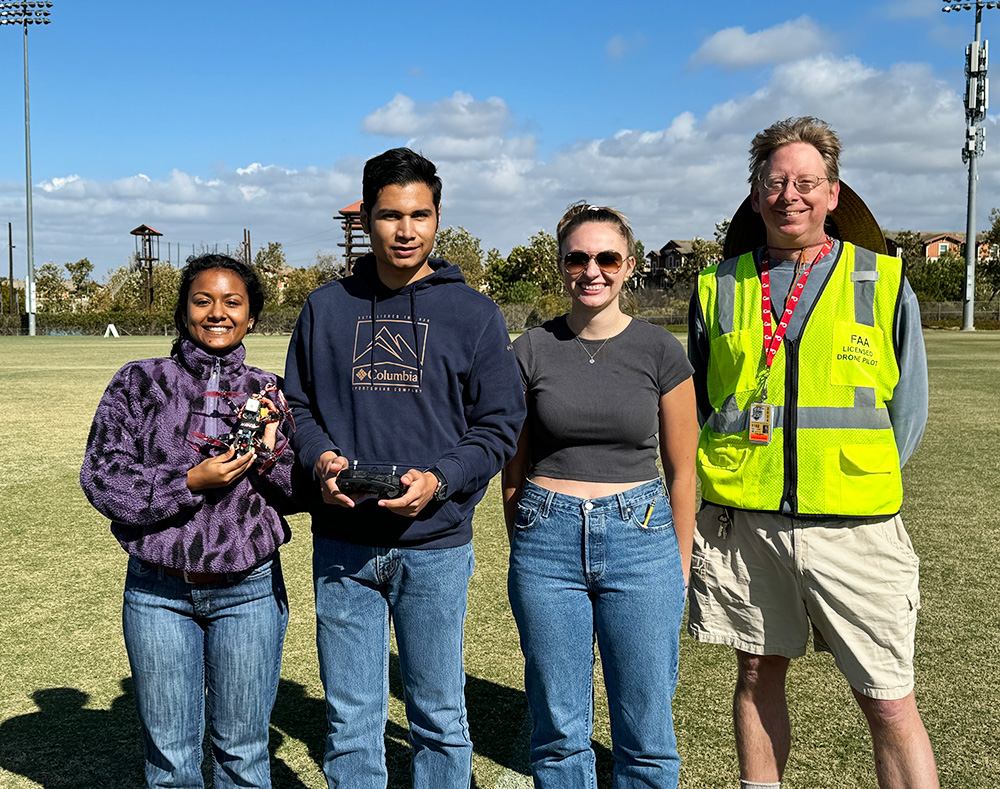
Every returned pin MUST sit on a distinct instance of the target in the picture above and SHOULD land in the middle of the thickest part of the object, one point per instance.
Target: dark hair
(196, 264)
(582, 212)
(399, 166)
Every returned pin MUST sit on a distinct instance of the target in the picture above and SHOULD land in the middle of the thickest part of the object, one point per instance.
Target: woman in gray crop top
(600, 544)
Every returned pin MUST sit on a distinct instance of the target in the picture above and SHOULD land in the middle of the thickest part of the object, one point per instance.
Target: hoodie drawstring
(371, 354)
(416, 335)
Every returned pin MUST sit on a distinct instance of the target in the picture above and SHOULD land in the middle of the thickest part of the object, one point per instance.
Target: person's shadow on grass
(303, 717)
(497, 717)
(65, 746)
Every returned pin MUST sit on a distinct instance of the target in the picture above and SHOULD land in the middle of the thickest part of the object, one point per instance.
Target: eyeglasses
(575, 262)
(804, 184)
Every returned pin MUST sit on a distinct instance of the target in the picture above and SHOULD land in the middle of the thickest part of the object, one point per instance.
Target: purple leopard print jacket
(140, 449)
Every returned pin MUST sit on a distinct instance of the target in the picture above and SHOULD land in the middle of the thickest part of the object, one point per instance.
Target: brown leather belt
(196, 578)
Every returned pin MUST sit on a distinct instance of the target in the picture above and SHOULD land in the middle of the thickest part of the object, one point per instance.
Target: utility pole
(10, 245)
(977, 92)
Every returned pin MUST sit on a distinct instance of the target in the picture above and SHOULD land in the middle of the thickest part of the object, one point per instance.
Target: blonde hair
(582, 212)
(807, 129)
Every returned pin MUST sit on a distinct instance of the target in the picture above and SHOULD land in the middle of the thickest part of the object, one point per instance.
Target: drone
(257, 412)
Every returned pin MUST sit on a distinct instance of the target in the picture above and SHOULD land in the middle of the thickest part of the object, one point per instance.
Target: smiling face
(401, 225)
(218, 310)
(795, 220)
(593, 288)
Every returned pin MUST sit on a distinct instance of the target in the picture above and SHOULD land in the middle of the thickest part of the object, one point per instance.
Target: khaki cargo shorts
(759, 583)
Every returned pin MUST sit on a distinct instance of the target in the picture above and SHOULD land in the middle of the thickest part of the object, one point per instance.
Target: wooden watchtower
(356, 243)
(147, 251)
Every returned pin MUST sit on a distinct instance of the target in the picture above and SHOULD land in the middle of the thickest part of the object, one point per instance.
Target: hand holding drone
(257, 412)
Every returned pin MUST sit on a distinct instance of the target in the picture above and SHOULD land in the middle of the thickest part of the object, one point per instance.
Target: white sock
(754, 785)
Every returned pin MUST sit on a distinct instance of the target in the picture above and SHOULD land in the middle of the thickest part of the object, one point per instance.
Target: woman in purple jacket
(205, 605)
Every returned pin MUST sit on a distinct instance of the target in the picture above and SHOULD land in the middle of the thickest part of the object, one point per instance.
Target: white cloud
(901, 128)
(58, 183)
(459, 116)
(482, 148)
(398, 118)
(76, 216)
(734, 48)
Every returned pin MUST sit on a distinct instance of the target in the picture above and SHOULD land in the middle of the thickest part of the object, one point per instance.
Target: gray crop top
(597, 422)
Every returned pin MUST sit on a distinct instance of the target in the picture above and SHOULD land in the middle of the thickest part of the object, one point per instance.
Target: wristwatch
(442, 489)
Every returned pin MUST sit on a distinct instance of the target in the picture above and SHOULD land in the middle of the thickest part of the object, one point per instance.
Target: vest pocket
(857, 353)
(734, 358)
(862, 479)
(724, 456)
(721, 469)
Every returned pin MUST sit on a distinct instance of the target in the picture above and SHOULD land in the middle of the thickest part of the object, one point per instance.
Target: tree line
(529, 275)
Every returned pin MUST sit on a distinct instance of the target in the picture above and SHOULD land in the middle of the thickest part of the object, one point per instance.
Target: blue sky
(204, 118)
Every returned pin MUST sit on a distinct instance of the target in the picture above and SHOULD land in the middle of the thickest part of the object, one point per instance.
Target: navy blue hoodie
(420, 377)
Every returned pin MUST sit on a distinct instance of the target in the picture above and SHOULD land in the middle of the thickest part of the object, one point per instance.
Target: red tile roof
(145, 230)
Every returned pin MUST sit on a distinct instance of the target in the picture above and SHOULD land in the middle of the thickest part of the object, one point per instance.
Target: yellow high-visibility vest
(832, 450)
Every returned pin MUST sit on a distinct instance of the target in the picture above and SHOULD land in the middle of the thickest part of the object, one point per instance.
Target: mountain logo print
(389, 361)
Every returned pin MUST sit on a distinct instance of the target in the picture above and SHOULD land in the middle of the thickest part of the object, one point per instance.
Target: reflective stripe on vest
(832, 450)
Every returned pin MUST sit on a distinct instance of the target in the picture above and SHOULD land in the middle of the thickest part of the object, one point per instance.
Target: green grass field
(66, 708)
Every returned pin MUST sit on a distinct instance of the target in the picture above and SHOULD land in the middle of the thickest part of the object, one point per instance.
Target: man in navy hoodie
(402, 369)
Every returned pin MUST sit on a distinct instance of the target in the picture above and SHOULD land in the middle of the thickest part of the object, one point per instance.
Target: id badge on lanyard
(761, 419)
(762, 412)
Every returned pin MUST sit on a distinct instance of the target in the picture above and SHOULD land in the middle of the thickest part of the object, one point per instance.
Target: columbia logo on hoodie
(389, 355)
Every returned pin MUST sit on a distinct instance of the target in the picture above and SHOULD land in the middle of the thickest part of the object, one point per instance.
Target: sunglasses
(576, 262)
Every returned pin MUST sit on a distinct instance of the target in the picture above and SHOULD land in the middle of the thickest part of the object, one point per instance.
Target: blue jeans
(424, 592)
(585, 568)
(219, 642)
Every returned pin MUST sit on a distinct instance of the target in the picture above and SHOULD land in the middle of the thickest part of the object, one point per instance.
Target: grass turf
(66, 707)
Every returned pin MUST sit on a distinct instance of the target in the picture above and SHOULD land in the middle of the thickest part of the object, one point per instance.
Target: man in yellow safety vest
(812, 391)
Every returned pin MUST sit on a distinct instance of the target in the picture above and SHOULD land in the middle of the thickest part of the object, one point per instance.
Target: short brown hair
(807, 129)
(582, 212)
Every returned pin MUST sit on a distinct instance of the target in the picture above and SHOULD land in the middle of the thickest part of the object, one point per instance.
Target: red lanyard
(773, 341)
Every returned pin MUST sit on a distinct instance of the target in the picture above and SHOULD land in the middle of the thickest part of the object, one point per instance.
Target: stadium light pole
(977, 92)
(24, 14)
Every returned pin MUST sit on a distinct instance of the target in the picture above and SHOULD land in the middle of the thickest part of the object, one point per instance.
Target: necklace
(591, 355)
(614, 332)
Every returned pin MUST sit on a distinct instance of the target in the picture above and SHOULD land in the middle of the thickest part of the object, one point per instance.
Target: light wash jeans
(183, 640)
(581, 569)
(424, 592)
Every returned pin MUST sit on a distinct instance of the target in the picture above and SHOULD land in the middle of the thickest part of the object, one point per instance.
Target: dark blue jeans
(183, 640)
(585, 569)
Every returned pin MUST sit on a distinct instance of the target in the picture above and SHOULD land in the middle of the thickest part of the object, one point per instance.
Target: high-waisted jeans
(607, 569)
